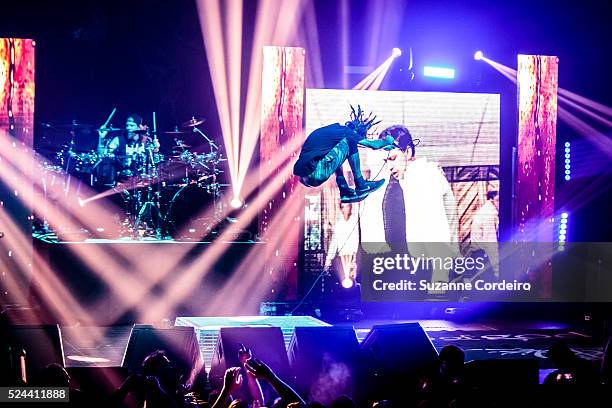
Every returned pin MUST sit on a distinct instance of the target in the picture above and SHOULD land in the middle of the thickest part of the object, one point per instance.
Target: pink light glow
(373, 80)
(249, 286)
(606, 110)
(309, 40)
(211, 25)
(275, 22)
(185, 281)
(347, 283)
(88, 359)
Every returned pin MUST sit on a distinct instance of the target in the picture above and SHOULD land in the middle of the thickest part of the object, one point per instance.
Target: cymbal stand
(218, 212)
(69, 158)
(68, 174)
(45, 228)
(214, 151)
(144, 211)
(210, 142)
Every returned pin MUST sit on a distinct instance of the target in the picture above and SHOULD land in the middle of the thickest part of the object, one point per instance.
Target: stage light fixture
(563, 231)
(568, 174)
(236, 203)
(347, 283)
(396, 52)
(438, 72)
(478, 55)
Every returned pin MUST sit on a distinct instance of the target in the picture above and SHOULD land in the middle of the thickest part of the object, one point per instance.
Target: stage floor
(480, 340)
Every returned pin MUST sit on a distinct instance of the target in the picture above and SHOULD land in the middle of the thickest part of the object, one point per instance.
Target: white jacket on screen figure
(431, 212)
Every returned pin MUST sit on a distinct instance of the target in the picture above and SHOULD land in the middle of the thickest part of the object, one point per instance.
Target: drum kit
(158, 193)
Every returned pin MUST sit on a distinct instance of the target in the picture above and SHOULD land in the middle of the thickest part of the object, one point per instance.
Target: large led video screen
(447, 192)
(17, 90)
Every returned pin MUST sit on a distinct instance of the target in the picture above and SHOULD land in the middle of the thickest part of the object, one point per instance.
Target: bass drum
(183, 209)
(175, 172)
(105, 172)
(85, 162)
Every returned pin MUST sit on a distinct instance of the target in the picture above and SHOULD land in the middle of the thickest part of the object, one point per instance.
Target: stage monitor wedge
(399, 348)
(396, 353)
(42, 345)
(322, 358)
(265, 343)
(179, 343)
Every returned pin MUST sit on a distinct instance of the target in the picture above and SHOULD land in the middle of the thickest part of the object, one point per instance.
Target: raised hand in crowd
(257, 398)
(232, 381)
(261, 371)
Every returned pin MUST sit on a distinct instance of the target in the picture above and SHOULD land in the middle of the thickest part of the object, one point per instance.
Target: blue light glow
(567, 161)
(439, 72)
(562, 237)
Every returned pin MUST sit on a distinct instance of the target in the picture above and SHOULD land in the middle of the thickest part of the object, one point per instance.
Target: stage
(488, 340)
(360, 193)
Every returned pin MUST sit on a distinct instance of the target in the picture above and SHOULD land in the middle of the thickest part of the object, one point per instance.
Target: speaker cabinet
(265, 343)
(179, 343)
(397, 354)
(325, 362)
(42, 345)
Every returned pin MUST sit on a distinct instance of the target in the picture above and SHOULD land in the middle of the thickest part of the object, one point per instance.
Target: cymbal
(109, 129)
(74, 125)
(181, 145)
(193, 122)
(175, 132)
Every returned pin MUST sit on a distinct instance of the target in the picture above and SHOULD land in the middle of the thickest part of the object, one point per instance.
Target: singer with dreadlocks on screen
(326, 149)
